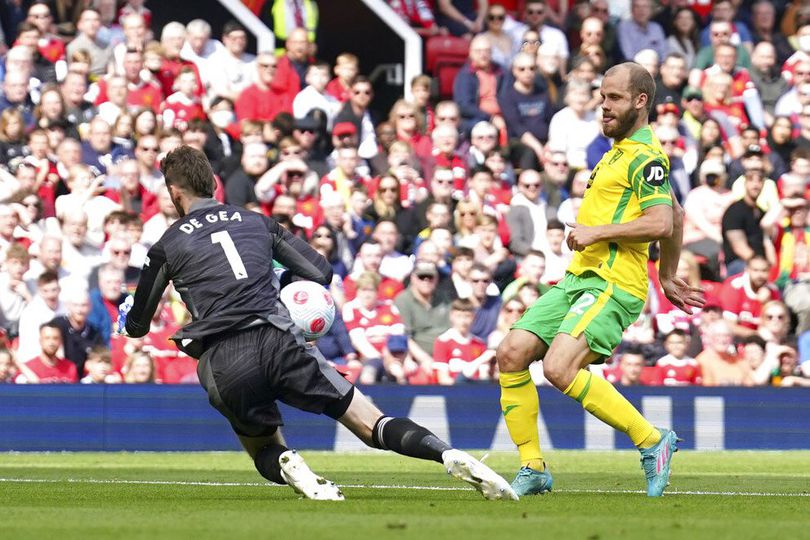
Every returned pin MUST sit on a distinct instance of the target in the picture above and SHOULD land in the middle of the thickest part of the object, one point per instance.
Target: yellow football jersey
(631, 177)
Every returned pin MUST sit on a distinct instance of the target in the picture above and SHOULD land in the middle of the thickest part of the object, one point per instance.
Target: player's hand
(581, 236)
(682, 295)
(123, 310)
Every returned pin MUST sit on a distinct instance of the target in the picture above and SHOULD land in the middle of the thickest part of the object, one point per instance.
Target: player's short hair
(640, 81)
(462, 304)
(189, 170)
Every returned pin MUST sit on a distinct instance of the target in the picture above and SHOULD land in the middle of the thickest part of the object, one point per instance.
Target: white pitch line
(364, 486)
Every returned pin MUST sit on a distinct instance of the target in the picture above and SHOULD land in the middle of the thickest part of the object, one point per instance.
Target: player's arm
(654, 224)
(299, 258)
(153, 281)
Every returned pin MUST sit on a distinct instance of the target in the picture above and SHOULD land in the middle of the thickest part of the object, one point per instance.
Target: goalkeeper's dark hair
(189, 170)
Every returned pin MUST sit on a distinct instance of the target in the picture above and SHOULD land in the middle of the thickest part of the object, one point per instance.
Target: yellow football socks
(601, 399)
(520, 406)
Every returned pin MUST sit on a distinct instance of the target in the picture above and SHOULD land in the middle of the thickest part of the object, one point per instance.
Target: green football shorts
(585, 303)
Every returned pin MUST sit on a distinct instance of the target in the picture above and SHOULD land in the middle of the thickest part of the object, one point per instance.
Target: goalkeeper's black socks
(403, 436)
(267, 464)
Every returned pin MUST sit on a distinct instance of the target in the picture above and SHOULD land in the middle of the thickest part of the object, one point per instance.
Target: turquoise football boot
(531, 482)
(655, 461)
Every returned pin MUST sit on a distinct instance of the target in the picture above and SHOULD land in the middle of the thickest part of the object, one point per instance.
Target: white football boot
(465, 467)
(305, 482)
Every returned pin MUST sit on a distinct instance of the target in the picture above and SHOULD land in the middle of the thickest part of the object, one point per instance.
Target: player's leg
(525, 343)
(406, 437)
(591, 331)
(232, 373)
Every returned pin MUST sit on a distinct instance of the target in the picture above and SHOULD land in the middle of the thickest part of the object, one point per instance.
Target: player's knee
(512, 355)
(560, 374)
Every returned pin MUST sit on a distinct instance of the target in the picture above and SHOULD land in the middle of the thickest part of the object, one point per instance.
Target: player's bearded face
(617, 123)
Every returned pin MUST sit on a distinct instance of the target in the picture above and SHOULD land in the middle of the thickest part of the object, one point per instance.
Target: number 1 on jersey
(224, 239)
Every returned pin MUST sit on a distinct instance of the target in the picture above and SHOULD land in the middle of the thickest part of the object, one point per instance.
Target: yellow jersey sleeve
(649, 178)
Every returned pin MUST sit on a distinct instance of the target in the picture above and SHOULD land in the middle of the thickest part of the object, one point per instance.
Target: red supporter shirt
(144, 94)
(336, 89)
(257, 104)
(377, 324)
(452, 351)
(64, 372)
(178, 110)
(170, 69)
(388, 289)
(680, 371)
(740, 302)
(286, 80)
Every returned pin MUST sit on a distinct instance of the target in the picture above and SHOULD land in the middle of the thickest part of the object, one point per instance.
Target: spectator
(49, 46)
(639, 32)
(793, 101)
(234, 69)
(49, 367)
(720, 33)
(742, 234)
(684, 36)
(476, 87)
(284, 17)
(14, 293)
(530, 273)
(118, 254)
(788, 372)
(78, 337)
(41, 309)
(678, 369)
(337, 348)
(199, 48)
(425, 315)
(88, 39)
(724, 10)
(371, 323)
(346, 69)
(314, 96)
(419, 15)
(458, 354)
(763, 30)
(15, 96)
(355, 111)
(460, 17)
(105, 301)
(183, 105)
(511, 311)
(337, 220)
(669, 86)
(292, 65)
(557, 254)
(409, 126)
(324, 241)
(574, 127)
(789, 234)
(394, 264)
(262, 100)
(535, 15)
(765, 76)
(630, 369)
(79, 255)
(139, 368)
(704, 208)
(502, 44)
(240, 189)
(743, 296)
(172, 39)
(99, 367)
(527, 112)
(486, 300)
(718, 363)
(527, 215)
(9, 369)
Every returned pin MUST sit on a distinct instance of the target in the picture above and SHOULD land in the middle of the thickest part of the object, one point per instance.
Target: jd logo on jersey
(655, 173)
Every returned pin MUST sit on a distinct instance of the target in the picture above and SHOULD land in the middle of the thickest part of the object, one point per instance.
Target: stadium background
(132, 417)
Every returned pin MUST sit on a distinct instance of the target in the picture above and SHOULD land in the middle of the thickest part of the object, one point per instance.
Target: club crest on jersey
(655, 174)
(616, 156)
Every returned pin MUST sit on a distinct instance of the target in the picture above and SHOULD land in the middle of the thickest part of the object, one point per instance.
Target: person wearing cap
(694, 111)
(424, 314)
(750, 136)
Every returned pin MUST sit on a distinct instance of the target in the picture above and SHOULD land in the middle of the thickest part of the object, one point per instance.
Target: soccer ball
(311, 307)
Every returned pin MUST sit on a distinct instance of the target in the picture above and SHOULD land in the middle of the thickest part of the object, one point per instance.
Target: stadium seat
(444, 56)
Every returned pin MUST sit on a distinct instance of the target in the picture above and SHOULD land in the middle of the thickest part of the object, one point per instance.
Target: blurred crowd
(444, 217)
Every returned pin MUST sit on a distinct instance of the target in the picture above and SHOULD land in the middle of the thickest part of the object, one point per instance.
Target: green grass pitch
(717, 495)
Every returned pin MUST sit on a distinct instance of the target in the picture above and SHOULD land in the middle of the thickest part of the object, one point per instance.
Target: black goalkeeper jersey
(220, 259)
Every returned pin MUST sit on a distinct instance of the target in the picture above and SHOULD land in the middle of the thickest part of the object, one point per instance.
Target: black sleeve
(153, 281)
(732, 220)
(298, 256)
